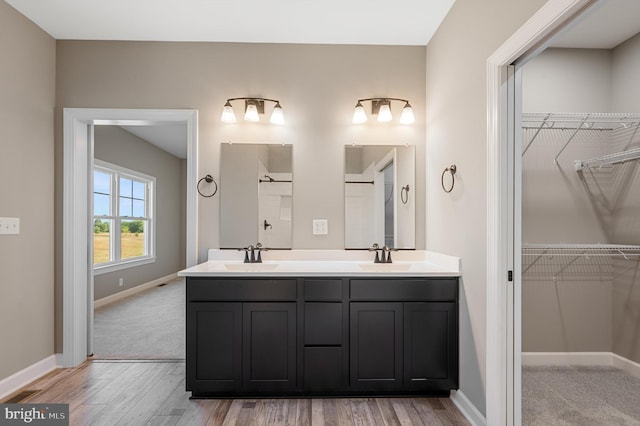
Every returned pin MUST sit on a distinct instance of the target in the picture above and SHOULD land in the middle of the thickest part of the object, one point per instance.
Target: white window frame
(116, 173)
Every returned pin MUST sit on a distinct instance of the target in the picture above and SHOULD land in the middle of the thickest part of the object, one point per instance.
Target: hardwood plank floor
(152, 393)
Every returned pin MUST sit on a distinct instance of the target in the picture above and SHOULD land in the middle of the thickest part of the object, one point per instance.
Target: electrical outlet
(320, 226)
(121, 282)
(9, 225)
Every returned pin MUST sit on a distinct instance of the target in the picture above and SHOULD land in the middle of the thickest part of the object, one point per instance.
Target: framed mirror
(379, 196)
(256, 188)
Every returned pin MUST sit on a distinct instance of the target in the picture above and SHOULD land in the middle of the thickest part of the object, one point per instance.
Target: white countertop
(326, 263)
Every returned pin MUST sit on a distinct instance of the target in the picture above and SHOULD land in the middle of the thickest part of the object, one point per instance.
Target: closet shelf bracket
(542, 125)
(573, 135)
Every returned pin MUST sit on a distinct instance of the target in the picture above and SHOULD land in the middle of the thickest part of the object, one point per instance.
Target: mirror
(256, 188)
(379, 196)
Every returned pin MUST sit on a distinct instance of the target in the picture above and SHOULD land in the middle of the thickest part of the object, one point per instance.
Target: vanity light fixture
(253, 107)
(382, 108)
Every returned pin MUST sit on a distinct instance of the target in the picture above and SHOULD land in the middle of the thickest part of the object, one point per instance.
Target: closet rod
(608, 160)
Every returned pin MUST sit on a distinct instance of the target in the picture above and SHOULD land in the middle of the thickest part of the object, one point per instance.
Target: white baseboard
(566, 358)
(627, 365)
(468, 410)
(581, 358)
(133, 290)
(27, 375)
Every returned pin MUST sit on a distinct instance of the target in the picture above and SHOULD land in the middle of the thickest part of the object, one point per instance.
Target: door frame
(503, 310)
(77, 162)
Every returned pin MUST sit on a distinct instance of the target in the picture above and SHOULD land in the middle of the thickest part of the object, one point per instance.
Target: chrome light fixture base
(253, 108)
(382, 108)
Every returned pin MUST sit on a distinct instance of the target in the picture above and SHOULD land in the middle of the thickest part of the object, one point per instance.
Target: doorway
(78, 155)
(504, 193)
(139, 192)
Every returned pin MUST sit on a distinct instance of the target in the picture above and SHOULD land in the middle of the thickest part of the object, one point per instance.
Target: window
(123, 227)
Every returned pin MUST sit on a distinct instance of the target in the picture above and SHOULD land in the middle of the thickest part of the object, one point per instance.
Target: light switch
(9, 225)
(320, 226)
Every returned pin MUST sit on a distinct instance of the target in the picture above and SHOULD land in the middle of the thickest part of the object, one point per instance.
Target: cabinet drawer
(229, 289)
(432, 289)
(322, 323)
(318, 290)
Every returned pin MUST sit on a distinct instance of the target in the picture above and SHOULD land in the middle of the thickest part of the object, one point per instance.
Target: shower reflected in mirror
(256, 188)
(375, 207)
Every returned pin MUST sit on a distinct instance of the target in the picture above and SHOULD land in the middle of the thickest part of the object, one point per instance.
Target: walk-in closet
(581, 235)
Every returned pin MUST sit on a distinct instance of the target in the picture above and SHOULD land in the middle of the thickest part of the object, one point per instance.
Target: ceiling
(604, 26)
(396, 22)
(169, 137)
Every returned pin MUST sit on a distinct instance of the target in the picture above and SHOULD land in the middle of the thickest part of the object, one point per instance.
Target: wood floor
(152, 393)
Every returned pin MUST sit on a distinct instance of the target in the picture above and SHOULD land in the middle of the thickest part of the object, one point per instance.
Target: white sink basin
(251, 267)
(384, 267)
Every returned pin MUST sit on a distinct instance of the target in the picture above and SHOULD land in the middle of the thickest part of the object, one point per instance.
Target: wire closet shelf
(574, 262)
(575, 123)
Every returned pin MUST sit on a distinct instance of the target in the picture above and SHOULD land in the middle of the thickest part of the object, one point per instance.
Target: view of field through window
(118, 201)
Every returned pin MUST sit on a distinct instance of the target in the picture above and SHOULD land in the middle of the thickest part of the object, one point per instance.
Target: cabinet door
(430, 346)
(269, 346)
(214, 339)
(376, 346)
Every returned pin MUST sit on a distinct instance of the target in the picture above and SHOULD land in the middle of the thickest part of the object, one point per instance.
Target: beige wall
(457, 134)
(27, 91)
(117, 146)
(318, 86)
(568, 80)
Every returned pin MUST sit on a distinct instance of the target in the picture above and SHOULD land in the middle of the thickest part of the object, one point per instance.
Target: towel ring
(208, 179)
(404, 194)
(451, 169)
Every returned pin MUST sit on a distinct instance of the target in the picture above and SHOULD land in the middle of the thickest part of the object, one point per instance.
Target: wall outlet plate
(320, 226)
(9, 225)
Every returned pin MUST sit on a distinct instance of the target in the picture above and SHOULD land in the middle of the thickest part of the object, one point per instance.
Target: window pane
(101, 241)
(125, 206)
(101, 182)
(101, 205)
(132, 241)
(125, 187)
(138, 190)
(138, 208)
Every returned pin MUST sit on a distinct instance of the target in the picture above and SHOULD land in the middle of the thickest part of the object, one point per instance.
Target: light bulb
(384, 114)
(359, 116)
(228, 115)
(407, 116)
(251, 114)
(277, 116)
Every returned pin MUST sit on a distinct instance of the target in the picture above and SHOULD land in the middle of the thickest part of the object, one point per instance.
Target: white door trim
(530, 37)
(76, 165)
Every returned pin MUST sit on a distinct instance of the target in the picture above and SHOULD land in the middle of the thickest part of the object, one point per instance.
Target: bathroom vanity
(335, 328)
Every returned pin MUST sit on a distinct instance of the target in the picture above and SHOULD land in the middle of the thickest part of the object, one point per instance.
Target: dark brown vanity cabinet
(244, 344)
(313, 336)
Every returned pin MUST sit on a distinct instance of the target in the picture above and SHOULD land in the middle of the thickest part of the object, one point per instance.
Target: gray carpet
(582, 396)
(147, 325)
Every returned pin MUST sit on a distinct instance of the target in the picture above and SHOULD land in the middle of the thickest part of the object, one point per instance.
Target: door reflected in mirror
(379, 202)
(256, 188)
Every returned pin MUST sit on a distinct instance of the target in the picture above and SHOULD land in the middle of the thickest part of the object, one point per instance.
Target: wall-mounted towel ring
(208, 179)
(451, 169)
(404, 194)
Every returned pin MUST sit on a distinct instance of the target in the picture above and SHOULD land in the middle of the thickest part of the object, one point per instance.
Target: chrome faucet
(375, 247)
(250, 253)
(387, 258)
